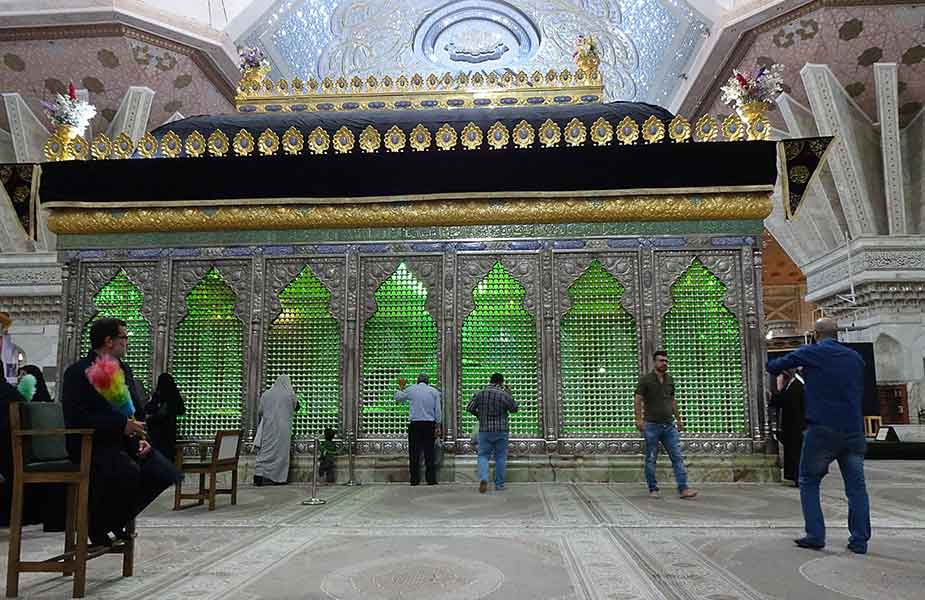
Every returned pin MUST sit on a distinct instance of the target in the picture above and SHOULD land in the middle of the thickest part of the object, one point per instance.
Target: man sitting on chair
(126, 473)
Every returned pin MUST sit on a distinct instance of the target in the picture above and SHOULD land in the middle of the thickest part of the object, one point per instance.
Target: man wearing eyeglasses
(126, 473)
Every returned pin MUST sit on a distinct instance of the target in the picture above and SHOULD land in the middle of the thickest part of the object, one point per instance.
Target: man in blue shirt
(834, 376)
(426, 418)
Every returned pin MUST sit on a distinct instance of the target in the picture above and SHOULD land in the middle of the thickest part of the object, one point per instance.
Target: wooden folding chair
(226, 449)
(40, 456)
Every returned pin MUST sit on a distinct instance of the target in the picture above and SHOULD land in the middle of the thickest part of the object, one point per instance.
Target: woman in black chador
(161, 415)
(789, 401)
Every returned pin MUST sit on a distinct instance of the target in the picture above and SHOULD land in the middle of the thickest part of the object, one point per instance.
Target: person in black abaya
(161, 414)
(41, 388)
(792, 421)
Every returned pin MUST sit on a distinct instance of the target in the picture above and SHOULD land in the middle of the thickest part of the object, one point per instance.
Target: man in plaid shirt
(492, 405)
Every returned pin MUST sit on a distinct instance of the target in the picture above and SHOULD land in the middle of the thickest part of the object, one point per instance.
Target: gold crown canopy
(582, 85)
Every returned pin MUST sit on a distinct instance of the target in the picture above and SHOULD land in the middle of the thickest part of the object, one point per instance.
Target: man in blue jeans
(834, 376)
(656, 413)
(492, 405)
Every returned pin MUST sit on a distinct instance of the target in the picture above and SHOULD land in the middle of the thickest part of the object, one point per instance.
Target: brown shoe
(688, 494)
(483, 486)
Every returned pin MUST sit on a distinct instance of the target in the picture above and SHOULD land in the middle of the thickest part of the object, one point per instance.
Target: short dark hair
(329, 433)
(104, 328)
(423, 378)
(658, 353)
(497, 378)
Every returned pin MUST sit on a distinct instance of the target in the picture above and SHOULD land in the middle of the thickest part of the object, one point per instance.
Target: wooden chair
(40, 456)
(226, 449)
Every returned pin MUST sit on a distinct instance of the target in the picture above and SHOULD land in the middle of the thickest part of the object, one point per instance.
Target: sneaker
(688, 494)
(857, 548)
(655, 494)
(483, 486)
(499, 488)
(808, 544)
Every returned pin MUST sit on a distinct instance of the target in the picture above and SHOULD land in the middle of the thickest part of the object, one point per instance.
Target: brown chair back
(227, 447)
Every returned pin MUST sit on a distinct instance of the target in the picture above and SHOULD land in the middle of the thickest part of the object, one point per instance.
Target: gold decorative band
(717, 206)
(65, 144)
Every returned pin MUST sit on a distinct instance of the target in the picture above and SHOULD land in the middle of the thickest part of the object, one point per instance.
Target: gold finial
(586, 57)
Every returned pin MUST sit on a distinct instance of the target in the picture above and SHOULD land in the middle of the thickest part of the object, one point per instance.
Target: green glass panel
(304, 343)
(121, 299)
(208, 359)
(499, 335)
(399, 340)
(703, 341)
(600, 357)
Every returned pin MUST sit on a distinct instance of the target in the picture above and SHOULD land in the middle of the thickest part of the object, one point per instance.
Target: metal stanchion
(314, 500)
(351, 442)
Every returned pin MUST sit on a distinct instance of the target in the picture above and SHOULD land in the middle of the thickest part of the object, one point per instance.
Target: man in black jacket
(126, 473)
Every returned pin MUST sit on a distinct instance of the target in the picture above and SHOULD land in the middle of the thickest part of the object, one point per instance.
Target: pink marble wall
(850, 40)
(107, 67)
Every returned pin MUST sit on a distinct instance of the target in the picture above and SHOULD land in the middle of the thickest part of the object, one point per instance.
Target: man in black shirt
(656, 412)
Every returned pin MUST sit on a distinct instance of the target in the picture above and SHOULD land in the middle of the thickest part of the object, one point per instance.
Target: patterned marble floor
(535, 541)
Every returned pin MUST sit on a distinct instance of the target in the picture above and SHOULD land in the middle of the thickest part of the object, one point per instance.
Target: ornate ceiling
(645, 44)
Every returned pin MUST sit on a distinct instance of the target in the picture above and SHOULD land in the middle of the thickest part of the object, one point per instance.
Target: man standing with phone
(426, 416)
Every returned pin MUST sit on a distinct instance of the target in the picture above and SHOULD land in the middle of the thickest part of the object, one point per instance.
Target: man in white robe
(274, 433)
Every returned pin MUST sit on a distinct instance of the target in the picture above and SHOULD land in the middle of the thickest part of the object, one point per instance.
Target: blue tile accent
(350, 105)
(377, 248)
(536, 100)
(433, 247)
(429, 103)
(277, 250)
(669, 242)
(470, 246)
(325, 106)
(624, 243)
(146, 253)
(238, 251)
(403, 104)
(297, 107)
(247, 108)
(377, 104)
(532, 245)
(330, 249)
(729, 241)
(508, 101)
(568, 244)
(273, 107)
(455, 102)
(481, 102)
(590, 98)
(184, 252)
(562, 99)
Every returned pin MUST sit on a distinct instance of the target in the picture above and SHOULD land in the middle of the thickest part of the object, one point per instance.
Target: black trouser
(122, 486)
(421, 439)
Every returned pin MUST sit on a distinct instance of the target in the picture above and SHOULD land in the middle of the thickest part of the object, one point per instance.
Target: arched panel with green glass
(600, 357)
(399, 340)
(304, 343)
(499, 335)
(121, 299)
(208, 359)
(704, 344)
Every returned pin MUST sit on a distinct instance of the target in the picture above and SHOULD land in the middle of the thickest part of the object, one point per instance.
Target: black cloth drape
(161, 414)
(792, 422)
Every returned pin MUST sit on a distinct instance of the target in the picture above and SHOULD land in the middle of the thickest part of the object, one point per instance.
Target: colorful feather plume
(107, 376)
(26, 387)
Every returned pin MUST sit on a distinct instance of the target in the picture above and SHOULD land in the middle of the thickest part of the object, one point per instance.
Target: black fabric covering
(382, 120)
(353, 175)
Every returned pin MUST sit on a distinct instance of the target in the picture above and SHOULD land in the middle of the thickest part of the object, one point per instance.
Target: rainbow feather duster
(107, 376)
